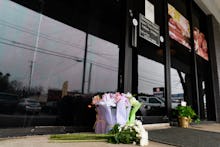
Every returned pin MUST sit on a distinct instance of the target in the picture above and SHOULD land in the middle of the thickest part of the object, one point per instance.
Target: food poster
(179, 28)
(200, 43)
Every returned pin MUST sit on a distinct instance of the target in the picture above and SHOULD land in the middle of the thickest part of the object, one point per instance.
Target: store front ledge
(41, 130)
(156, 126)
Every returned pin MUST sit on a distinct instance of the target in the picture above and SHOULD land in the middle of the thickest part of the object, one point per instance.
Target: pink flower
(96, 99)
(117, 97)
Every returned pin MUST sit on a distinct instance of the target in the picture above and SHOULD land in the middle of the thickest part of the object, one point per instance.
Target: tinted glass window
(150, 78)
(102, 66)
(38, 56)
(43, 59)
(177, 91)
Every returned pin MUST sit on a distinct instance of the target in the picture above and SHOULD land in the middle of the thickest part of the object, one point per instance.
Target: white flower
(136, 129)
(128, 95)
(138, 123)
(138, 135)
(133, 101)
(129, 125)
(144, 142)
(144, 138)
(119, 128)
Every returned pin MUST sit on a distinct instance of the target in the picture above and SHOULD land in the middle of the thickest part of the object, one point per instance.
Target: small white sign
(161, 39)
(183, 103)
(149, 11)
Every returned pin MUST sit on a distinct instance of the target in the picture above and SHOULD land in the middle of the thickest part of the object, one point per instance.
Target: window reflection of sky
(151, 74)
(59, 54)
(176, 86)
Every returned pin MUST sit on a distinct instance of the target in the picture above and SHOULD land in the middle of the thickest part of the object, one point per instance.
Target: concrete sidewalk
(42, 140)
(207, 126)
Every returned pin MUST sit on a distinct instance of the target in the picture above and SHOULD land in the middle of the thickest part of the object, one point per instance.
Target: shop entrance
(148, 80)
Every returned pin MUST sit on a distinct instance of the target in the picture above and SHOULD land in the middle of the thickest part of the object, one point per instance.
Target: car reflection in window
(29, 105)
(150, 104)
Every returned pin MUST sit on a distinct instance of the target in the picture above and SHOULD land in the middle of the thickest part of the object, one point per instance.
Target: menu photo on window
(179, 28)
(200, 43)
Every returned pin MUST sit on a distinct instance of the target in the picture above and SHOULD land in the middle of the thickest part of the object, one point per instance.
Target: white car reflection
(149, 102)
(29, 105)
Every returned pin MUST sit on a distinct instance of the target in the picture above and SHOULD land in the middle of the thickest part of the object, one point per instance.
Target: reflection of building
(54, 95)
(100, 33)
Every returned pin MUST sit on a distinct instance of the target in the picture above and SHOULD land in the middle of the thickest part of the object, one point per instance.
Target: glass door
(151, 87)
(150, 61)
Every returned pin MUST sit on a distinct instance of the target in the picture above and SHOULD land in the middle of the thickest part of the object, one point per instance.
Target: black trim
(167, 61)
(195, 91)
(126, 49)
(215, 93)
(84, 63)
(121, 70)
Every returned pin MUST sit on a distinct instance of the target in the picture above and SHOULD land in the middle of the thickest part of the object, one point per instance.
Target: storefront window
(151, 87)
(201, 46)
(181, 55)
(177, 84)
(37, 56)
(102, 66)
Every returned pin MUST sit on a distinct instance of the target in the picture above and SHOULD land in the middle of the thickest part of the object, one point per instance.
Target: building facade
(163, 51)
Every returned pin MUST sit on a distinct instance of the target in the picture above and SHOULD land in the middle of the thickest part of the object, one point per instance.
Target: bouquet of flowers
(129, 134)
(114, 108)
(115, 121)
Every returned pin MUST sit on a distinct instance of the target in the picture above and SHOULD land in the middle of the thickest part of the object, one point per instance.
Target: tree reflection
(16, 87)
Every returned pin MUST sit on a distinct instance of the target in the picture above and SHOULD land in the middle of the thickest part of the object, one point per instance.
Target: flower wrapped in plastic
(100, 123)
(114, 108)
(115, 120)
(105, 112)
(108, 105)
(123, 110)
(135, 107)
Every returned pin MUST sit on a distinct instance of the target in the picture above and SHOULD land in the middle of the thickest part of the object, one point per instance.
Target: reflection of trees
(4, 82)
(187, 87)
(16, 87)
(182, 83)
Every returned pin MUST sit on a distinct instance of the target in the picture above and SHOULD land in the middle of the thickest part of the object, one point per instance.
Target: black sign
(149, 31)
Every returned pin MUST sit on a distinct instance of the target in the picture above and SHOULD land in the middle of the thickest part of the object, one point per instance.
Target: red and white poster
(200, 43)
(179, 28)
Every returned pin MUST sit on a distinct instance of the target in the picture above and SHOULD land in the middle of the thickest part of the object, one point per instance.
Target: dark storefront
(161, 50)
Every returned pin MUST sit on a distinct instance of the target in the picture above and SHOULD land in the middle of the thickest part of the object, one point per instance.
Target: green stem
(80, 137)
